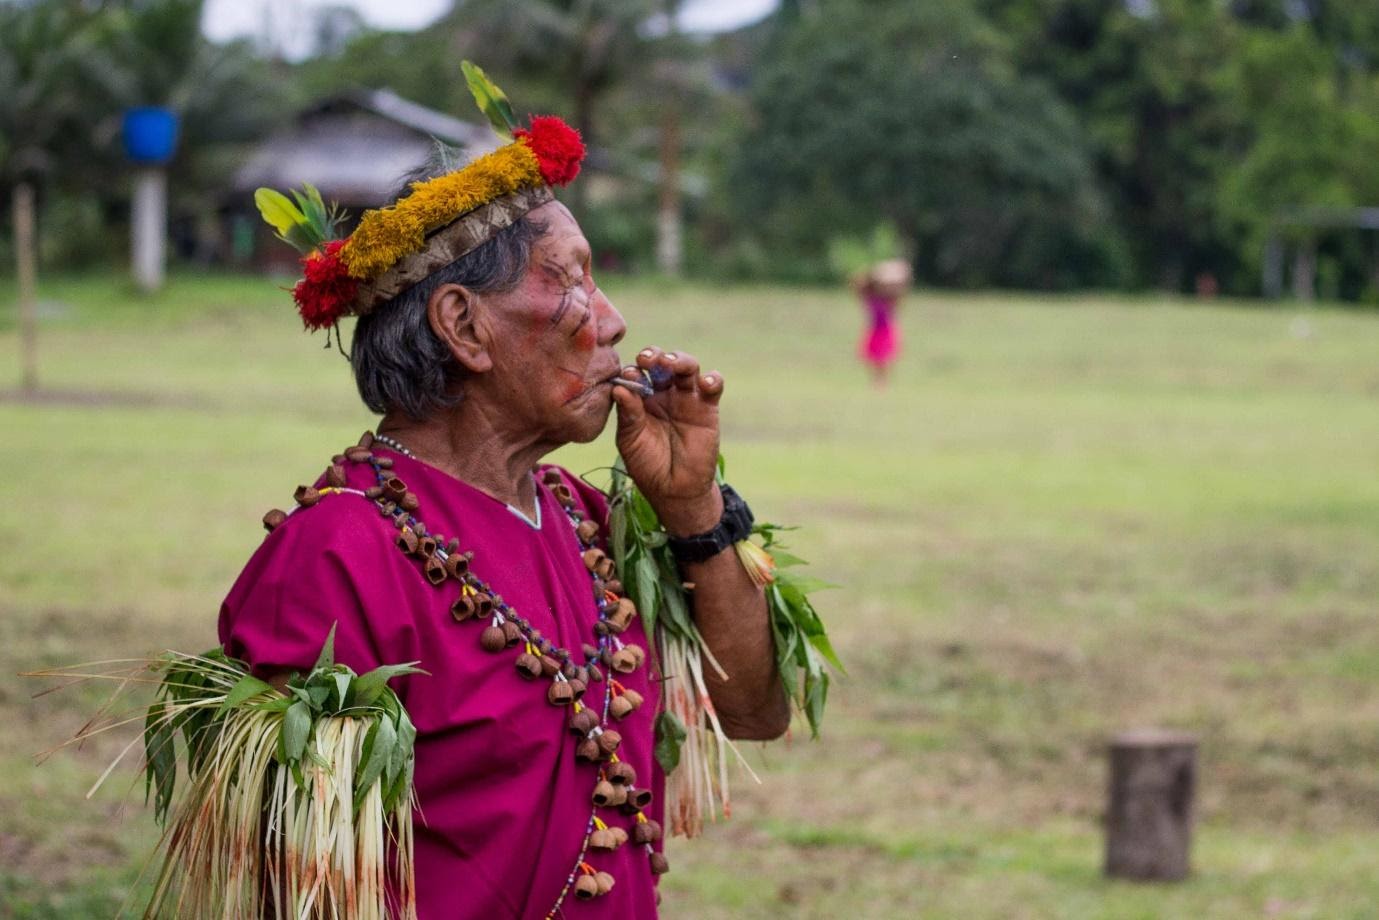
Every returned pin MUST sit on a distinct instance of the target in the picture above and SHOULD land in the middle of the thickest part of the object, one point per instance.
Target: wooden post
(26, 258)
(1149, 813)
(149, 228)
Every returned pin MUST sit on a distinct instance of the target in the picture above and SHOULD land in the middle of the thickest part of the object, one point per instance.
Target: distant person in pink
(880, 288)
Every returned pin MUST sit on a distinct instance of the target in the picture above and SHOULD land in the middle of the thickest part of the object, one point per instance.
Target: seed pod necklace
(537, 657)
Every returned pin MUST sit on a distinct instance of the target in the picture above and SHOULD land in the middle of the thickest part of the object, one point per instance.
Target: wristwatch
(734, 525)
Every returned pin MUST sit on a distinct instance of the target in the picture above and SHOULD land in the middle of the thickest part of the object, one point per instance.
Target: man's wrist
(734, 523)
(686, 518)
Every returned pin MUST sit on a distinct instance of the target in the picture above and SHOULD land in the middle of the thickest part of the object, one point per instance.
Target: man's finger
(711, 387)
(684, 368)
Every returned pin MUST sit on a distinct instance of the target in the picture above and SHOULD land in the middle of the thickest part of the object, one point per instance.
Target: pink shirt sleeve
(332, 564)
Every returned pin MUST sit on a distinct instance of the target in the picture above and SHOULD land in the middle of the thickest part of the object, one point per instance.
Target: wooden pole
(26, 268)
(149, 228)
(1149, 813)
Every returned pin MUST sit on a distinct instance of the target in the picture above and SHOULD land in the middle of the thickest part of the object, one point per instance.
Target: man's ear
(452, 310)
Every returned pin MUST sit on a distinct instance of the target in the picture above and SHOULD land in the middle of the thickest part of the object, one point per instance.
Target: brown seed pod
(407, 540)
(463, 609)
(607, 568)
(627, 659)
(602, 839)
(549, 666)
(584, 721)
(608, 742)
(603, 793)
(638, 799)
(492, 639)
(358, 454)
(605, 882)
(601, 627)
(587, 530)
(457, 564)
(306, 496)
(593, 557)
(577, 688)
(435, 570)
(619, 797)
(410, 502)
(510, 629)
(384, 463)
(562, 494)
(594, 672)
(366, 440)
(619, 836)
(552, 478)
(619, 708)
(335, 476)
(659, 864)
(589, 650)
(559, 693)
(395, 488)
(528, 665)
(587, 749)
(647, 831)
(373, 492)
(426, 546)
(613, 585)
(387, 508)
(586, 888)
(274, 519)
(622, 614)
(622, 773)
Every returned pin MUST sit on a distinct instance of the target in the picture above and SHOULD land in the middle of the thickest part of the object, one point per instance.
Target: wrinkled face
(553, 338)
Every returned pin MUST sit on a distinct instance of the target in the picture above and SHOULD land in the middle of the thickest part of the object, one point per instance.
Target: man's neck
(474, 446)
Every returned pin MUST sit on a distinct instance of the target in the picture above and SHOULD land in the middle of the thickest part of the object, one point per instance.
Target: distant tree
(42, 128)
(152, 52)
(909, 113)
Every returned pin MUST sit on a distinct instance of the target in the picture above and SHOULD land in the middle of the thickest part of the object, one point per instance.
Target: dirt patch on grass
(98, 399)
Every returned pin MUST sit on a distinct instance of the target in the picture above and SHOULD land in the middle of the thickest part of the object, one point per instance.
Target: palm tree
(40, 128)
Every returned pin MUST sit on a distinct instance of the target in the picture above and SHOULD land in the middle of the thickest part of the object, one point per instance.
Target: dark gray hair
(399, 362)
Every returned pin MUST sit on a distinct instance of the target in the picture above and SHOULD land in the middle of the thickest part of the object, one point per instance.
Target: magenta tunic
(881, 342)
(504, 802)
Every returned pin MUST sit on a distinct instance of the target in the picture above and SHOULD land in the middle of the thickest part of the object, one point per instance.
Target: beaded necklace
(539, 659)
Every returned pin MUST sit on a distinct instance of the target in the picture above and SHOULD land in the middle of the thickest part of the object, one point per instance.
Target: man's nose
(611, 326)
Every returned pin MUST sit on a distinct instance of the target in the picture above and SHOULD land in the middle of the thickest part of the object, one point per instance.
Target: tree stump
(1149, 814)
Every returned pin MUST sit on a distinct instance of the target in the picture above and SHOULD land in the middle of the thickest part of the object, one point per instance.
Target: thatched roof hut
(354, 147)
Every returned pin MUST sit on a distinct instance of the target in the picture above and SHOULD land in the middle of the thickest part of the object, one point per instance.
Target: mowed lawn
(1064, 518)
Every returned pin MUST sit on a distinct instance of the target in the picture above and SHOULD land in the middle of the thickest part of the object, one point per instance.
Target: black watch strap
(735, 524)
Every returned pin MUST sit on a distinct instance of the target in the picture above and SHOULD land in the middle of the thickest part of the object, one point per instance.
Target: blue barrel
(150, 135)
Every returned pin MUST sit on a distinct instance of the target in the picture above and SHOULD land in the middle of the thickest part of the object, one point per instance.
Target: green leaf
(670, 734)
(820, 642)
(296, 729)
(246, 688)
(492, 101)
(342, 690)
(275, 207)
(327, 657)
(375, 755)
(784, 560)
(367, 687)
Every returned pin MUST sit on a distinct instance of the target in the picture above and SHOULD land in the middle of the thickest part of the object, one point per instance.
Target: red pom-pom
(557, 146)
(327, 290)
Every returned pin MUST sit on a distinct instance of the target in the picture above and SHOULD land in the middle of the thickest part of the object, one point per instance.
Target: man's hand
(669, 441)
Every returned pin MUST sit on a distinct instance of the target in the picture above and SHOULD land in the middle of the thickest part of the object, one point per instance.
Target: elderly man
(485, 343)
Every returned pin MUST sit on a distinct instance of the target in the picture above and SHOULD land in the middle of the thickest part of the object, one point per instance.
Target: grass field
(1063, 518)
